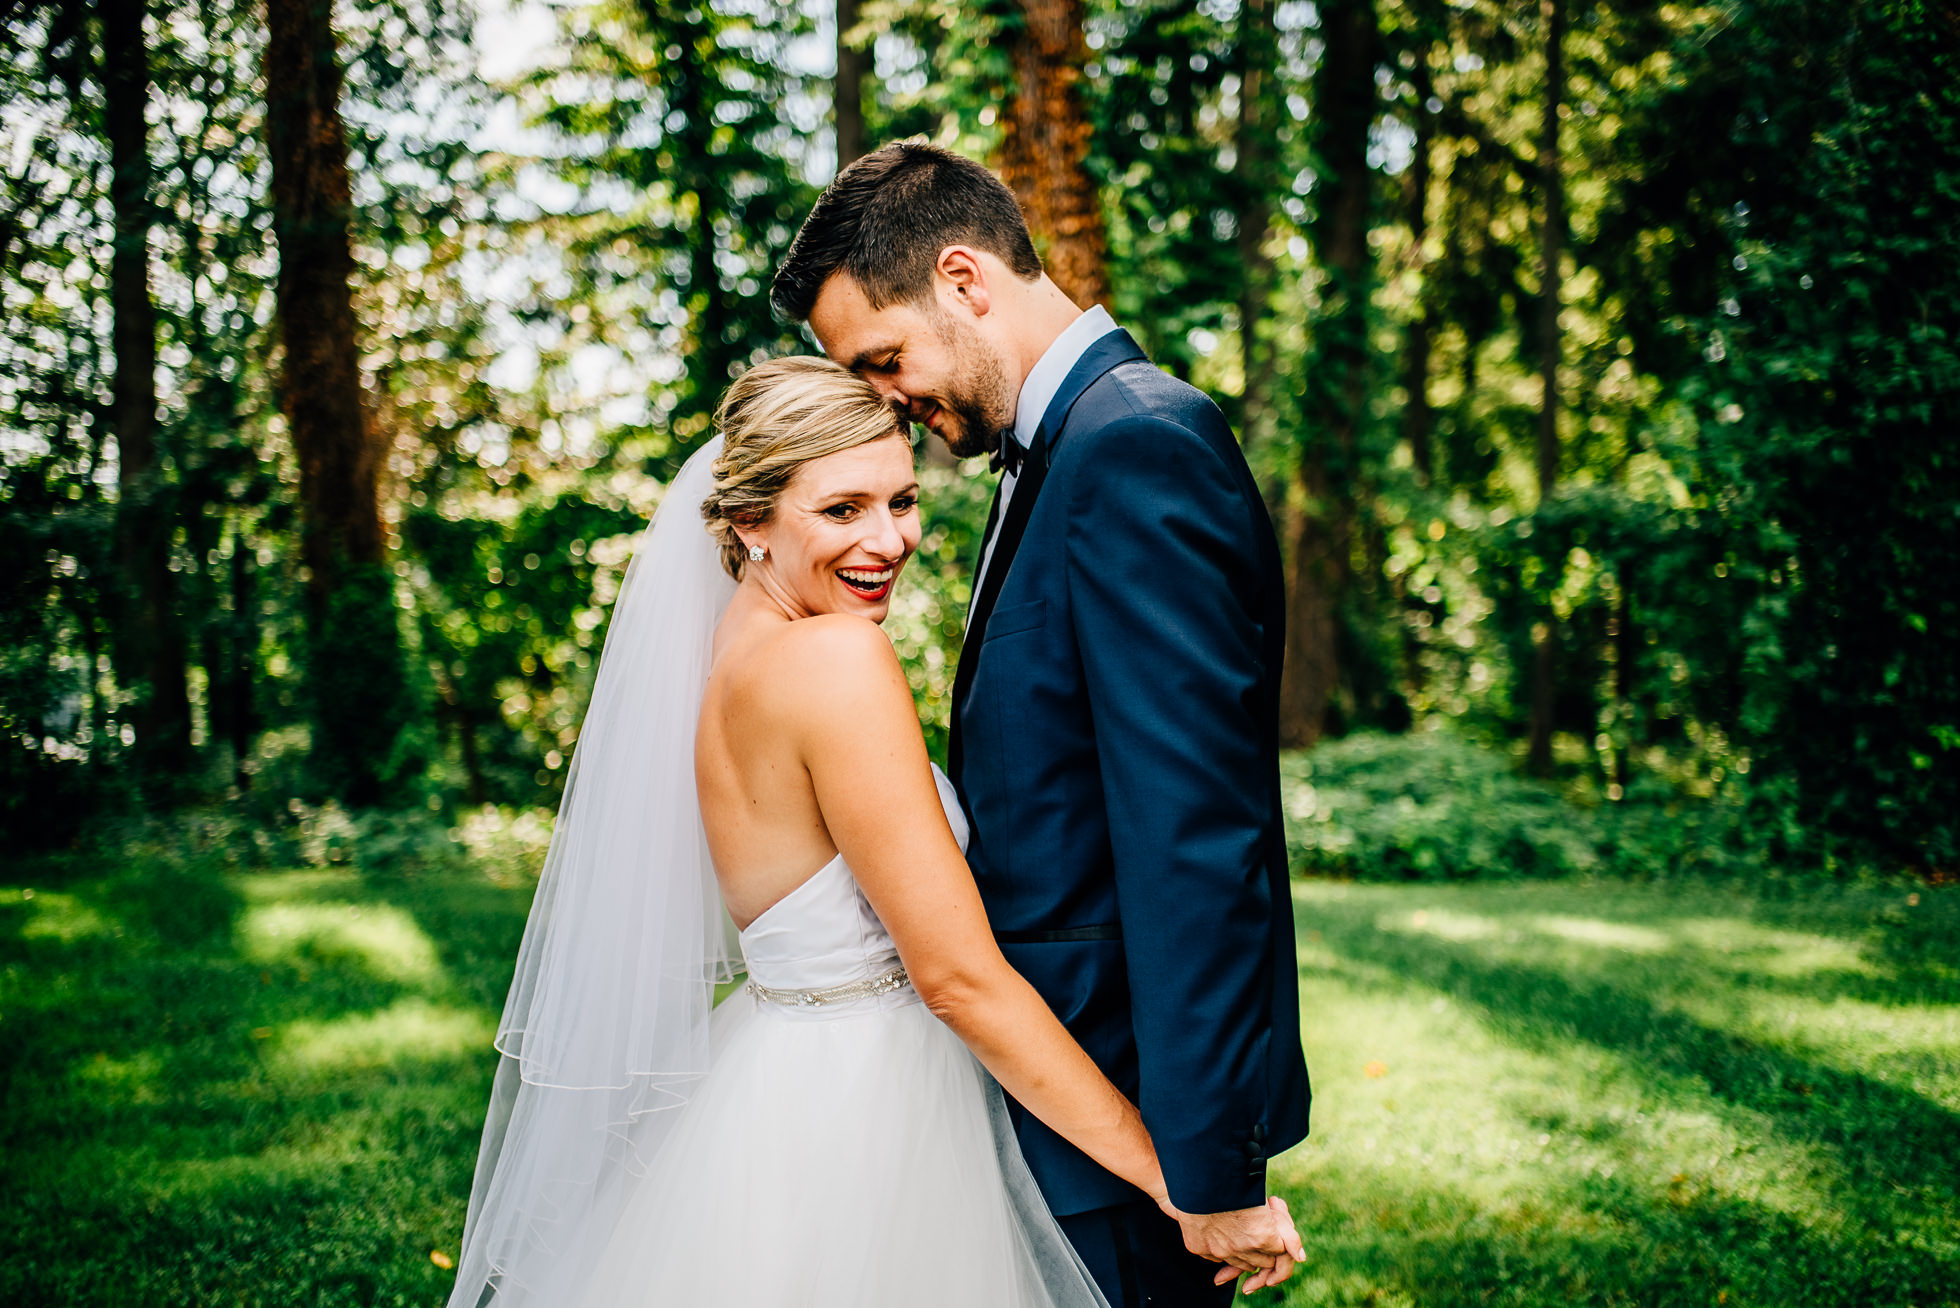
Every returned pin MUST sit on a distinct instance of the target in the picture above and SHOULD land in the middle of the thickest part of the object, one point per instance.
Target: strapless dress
(845, 1149)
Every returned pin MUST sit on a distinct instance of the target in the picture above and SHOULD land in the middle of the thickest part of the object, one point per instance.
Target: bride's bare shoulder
(833, 646)
(814, 665)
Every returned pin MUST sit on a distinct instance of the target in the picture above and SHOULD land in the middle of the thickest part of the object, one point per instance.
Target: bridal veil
(606, 1027)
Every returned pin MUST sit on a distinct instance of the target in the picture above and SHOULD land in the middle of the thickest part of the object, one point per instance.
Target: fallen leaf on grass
(441, 1259)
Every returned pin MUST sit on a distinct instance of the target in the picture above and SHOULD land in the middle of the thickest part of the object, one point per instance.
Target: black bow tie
(1009, 456)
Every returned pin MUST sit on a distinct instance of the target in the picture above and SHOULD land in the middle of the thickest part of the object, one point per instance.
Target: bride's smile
(841, 534)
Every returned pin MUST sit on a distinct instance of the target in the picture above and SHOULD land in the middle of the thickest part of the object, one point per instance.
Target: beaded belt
(877, 985)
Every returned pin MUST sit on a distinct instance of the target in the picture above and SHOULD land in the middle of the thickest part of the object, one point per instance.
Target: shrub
(1434, 806)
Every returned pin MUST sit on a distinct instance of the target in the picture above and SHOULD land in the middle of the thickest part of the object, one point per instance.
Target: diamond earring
(756, 553)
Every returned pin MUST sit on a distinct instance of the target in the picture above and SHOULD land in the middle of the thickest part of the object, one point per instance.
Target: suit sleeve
(1163, 590)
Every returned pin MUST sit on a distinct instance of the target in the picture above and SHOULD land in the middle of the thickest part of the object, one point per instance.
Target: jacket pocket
(1016, 617)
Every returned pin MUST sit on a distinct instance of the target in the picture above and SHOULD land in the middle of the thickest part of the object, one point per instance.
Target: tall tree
(1344, 99)
(150, 634)
(1045, 131)
(354, 661)
(1551, 250)
(1417, 417)
(848, 88)
(1252, 140)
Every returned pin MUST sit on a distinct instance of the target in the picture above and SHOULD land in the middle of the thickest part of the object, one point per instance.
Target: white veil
(607, 1020)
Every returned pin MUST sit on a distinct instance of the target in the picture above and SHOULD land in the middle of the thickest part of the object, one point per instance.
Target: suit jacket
(1115, 745)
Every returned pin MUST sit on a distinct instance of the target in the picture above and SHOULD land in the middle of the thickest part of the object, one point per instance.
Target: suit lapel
(1114, 348)
(1027, 486)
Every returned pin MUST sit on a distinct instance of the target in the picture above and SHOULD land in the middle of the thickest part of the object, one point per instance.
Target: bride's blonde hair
(777, 417)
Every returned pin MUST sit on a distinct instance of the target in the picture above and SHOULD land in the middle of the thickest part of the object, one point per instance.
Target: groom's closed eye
(876, 360)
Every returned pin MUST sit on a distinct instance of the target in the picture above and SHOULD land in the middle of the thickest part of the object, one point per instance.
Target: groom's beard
(972, 429)
(979, 402)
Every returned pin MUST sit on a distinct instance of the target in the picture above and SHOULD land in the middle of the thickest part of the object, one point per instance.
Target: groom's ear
(960, 280)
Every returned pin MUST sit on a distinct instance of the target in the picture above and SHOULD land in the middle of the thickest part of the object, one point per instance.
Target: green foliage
(511, 617)
(359, 691)
(1166, 154)
(1747, 561)
(1836, 391)
(1792, 290)
(1432, 806)
(928, 615)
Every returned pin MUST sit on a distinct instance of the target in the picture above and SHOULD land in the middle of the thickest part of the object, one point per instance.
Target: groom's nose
(901, 402)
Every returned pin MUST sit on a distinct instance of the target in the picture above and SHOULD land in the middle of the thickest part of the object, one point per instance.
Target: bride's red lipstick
(872, 596)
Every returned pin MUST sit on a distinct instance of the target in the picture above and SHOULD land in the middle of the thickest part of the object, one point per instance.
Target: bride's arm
(857, 734)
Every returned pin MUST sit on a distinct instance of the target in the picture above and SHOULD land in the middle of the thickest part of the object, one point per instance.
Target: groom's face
(930, 360)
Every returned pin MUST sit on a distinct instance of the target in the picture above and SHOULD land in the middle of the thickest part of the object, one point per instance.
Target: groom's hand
(1260, 1241)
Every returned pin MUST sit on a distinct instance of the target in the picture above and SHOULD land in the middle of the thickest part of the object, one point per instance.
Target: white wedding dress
(848, 1154)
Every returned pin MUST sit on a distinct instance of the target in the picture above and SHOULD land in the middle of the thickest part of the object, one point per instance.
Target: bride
(834, 1132)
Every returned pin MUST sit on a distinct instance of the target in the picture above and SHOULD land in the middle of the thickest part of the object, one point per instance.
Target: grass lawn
(1618, 1094)
(266, 1089)
(263, 1089)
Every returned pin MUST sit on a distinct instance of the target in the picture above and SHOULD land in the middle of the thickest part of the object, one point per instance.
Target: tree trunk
(354, 659)
(232, 681)
(1344, 102)
(1417, 419)
(1626, 648)
(1544, 663)
(150, 652)
(1044, 140)
(848, 90)
(339, 464)
(1257, 55)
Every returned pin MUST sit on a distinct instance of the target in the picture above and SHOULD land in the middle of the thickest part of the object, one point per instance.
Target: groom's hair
(885, 219)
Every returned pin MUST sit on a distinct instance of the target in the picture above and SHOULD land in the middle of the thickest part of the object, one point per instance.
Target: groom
(1114, 735)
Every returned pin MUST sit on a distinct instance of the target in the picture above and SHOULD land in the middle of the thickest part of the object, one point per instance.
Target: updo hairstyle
(775, 418)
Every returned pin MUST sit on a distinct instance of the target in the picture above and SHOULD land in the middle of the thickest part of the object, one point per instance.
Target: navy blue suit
(1115, 744)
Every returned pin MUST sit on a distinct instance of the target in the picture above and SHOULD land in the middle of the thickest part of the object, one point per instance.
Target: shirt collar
(1053, 368)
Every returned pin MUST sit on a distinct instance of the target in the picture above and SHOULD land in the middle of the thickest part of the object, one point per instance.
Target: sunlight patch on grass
(1484, 1129)
(130, 1080)
(379, 938)
(1771, 951)
(406, 1031)
(326, 1150)
(55, 916)
(299, 885)
(1598, 931)
(1913, 1047)
(1444, 923)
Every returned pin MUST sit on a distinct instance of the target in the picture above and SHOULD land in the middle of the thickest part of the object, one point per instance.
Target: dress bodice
(824, 933)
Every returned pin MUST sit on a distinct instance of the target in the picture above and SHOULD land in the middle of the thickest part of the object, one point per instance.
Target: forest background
(1598, 360)
(1601, 365)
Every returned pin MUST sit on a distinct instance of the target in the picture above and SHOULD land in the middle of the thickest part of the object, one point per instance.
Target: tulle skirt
(862, 1160)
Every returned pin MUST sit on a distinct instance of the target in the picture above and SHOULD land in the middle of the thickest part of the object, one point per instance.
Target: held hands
(1260, 1241)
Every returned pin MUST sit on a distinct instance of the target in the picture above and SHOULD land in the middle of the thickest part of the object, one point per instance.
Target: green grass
(256, 1089)
(1629, 1094)
(266, 1088)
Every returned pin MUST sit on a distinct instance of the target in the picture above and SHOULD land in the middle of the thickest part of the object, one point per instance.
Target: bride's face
(841, 532)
